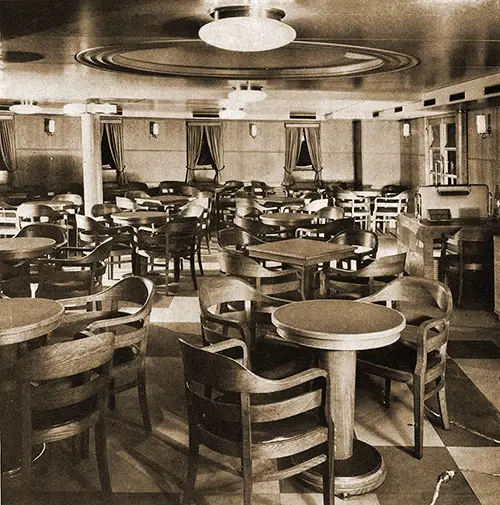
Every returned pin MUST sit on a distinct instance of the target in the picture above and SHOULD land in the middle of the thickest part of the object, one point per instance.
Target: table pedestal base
(360, 474)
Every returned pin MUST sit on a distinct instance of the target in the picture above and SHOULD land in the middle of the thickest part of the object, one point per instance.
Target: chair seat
(400, 356)
(296, 427)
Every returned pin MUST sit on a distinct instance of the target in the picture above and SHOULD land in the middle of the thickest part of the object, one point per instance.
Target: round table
(54, 204)
(339, 328)
(140, 218)
(20, 248)
(287, 221)
(165, 199)
(22, 319)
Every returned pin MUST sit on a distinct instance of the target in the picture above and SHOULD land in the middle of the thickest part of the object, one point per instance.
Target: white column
(92, 164)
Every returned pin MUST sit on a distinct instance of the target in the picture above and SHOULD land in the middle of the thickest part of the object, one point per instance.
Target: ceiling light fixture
(77, 109)
(229, 113)
(247, 28)
(247, 93)
(25, 107)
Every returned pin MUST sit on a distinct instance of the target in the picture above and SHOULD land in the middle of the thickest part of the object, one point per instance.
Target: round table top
(286, 218)
(20, 248)
(165, 199)
(54, 204)
(341, 325)
(140, 218)
(27, 318)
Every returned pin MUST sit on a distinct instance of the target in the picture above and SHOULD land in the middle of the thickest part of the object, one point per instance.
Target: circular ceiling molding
(194, 58)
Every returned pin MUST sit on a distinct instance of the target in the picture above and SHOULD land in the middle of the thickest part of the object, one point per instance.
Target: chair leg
(443, 408)
(329, 468)
(387, 393)
(418, 416)
(246, 470)
(192, 470)
(143, 398)
(193, 270)
(102, 456)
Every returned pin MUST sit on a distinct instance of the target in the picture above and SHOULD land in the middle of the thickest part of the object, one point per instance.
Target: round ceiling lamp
(25, 107)
(247, 93)
(232, 113)
(247, 28)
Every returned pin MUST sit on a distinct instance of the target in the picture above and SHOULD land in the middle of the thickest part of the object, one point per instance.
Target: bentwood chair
(367, 240)
(231, 308)
(236, 239)
(235, 412)
(123, 309)
(356, 207)
(91, 233)
(258, 229)
(466, 261)
(354, 284)
(64, 392)
(28, 213)
(177, 239)
(76, 275)
(283, 283)
(419, 357)
(103, 211)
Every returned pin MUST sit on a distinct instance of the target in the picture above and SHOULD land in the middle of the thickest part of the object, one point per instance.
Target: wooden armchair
(419, 357)
(236, 239)
(64, 392)
(266, 281)
(123, 309)
(225, 416)
(354, 284)
(232, 308)
(76, 275)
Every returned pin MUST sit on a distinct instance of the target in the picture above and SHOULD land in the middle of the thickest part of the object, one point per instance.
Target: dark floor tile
(407, 476)
(163, 338)
(473, 349)
(467, 407)
(17, 498)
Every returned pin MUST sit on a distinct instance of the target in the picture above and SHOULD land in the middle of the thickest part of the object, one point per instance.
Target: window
(304, 156)
(443, 151)
(205, 158)
(106, 156)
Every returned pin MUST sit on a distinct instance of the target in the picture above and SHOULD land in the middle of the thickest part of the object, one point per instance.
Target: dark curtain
(214, 139)
(293, 134)
(314, 147)
(114, 132)
(194, 139)
(8, 148)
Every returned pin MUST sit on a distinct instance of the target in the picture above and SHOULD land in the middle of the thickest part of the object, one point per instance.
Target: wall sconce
(154, 129)
(49, 126)
(252, 130)
(406, 130)
(483, 126)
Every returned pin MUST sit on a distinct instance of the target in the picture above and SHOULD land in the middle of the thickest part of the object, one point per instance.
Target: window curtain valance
(213, 134)
(8, 148)
(114, 132)
(293, 137)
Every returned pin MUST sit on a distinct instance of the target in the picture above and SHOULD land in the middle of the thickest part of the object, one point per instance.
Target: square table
(302, 253)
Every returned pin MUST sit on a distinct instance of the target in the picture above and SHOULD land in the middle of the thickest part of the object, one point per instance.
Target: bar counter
(416, 237)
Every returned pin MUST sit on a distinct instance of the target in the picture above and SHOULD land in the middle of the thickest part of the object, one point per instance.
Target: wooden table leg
(359, 467)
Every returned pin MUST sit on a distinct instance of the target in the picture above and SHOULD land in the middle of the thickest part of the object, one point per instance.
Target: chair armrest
(107, 324)
(229, 344)
(300, 378)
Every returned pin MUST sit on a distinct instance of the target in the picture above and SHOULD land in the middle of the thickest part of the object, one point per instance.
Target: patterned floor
(148, 469)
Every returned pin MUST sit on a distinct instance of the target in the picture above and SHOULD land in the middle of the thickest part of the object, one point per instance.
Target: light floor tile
(379, 426)
(484, 373)
(317, 499)
(476, 463)
(182, 309)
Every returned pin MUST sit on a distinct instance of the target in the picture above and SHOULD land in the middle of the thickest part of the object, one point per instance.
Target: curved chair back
(104, 210)
(236, 239)
(269, 282)
(125, 203)
(48, 230)
(227, 428)
(329, 213)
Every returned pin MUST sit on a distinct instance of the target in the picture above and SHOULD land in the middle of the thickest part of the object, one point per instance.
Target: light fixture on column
(49, 126)
(247, 28)
(252, 130)
(483, 126)
(247, 93)
(154, 129)
(406, 130)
